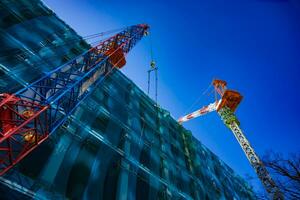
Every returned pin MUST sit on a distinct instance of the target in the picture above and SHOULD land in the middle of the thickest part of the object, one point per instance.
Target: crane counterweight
(230, 99)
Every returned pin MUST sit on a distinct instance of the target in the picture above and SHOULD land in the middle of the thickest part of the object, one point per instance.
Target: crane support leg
(232, 123)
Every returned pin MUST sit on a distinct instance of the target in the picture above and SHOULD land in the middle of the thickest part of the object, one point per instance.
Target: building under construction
(116, 144)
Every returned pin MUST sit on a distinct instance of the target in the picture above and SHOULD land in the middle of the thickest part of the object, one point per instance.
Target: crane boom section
(202, 111)
(30, 115)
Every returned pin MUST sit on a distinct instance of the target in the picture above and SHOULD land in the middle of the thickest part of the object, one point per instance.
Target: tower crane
(30, 115)
(225, 105)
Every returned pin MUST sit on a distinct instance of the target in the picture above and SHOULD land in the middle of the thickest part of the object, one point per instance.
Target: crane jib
(29, 116)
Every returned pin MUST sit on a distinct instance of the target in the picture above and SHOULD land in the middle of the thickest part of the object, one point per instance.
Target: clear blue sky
(252, 44)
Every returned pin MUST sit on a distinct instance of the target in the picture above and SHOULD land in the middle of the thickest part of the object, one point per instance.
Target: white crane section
(202, 111)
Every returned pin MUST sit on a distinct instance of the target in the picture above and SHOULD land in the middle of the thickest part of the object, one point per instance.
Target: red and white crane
(225, 107)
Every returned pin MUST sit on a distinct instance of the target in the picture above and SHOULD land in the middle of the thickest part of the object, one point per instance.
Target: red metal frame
(20, 132)
(229, 98)
(220, 86)
(27, 119)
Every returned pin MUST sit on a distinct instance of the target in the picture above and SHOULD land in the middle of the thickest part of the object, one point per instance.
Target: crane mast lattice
(29, 116)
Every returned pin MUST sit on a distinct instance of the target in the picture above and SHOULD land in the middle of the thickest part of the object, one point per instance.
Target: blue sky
(252, 44)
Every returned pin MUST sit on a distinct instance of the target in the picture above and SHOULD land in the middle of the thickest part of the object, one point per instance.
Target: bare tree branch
(286, 172)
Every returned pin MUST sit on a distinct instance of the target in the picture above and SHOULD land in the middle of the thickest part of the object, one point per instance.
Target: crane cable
(21, 54)
(64, 43)
(198, 100)
(154, 68)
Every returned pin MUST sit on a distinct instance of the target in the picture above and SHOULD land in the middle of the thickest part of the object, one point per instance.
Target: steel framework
(232, 123)
(29, 116)
(225, 107)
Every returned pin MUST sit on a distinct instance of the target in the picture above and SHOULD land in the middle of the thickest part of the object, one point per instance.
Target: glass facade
(117, 144)
(33, 41)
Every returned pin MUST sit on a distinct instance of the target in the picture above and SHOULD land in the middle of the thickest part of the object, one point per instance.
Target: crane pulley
(29, 116)
(225, 107)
